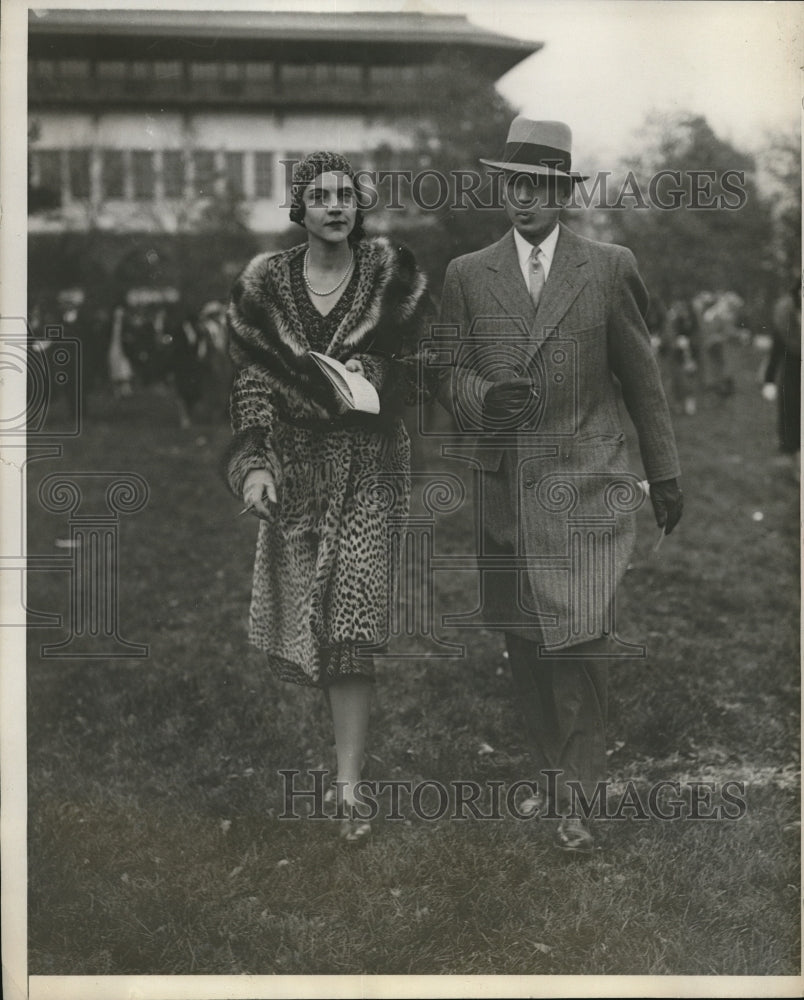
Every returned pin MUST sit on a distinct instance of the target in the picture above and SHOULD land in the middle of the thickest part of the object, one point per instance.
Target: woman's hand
(353, 365)
(259, 489)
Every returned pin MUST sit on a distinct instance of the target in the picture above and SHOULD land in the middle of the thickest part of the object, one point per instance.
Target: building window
(259, 71)
(204, 71)
(140, 70)
(288, 163)
(47, 174)
(294, 74)
(234, 174)
(203, 172)
(382, 74)
(78, 170)
(164, 70)
(142, 170)
(232, 78)
(173, 173)
(263, 175)
(395, 76)
(113, 172)
(75, 69)
(45, 68)
(322, 72)
(111, 70)
(348, 74)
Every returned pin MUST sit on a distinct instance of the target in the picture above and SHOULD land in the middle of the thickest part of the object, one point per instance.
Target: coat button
(530, 483)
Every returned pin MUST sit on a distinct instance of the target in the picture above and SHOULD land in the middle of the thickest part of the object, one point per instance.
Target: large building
(138, 117)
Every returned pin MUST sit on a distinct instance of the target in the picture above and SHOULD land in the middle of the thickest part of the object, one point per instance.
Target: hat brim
(530, 168)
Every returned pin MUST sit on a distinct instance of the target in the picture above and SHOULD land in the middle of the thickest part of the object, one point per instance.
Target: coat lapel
(375, 265)
(568, 275)
(285, 314)
(567, 278)
(506, 283)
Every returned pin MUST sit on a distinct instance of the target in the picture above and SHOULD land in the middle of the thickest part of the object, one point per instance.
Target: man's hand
(506, 401)
(668, 503)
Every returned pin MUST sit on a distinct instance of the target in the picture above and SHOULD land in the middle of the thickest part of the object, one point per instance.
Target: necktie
(536, 277)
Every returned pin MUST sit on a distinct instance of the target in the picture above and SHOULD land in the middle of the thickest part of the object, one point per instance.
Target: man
(549, 322)
(782, 377)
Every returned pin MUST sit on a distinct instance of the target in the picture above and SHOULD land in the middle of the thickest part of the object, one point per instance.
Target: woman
(325, 482)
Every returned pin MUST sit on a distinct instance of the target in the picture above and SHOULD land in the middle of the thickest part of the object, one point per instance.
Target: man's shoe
(574, 836)
(532, 805)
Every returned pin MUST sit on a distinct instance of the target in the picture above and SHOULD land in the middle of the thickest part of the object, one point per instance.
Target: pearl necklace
(335, 287)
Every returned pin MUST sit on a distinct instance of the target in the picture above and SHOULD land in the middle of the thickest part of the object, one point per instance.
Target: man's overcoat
(556, 489)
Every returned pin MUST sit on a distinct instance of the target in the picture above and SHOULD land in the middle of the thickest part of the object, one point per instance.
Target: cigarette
(245, 509)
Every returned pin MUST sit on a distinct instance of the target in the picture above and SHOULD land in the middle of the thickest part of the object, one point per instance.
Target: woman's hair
(306, 171)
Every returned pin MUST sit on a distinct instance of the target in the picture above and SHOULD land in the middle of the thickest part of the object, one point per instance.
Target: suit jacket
(563, 464)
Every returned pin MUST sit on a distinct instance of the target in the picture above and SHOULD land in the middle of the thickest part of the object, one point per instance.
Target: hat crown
(558, 135)
(537, 147)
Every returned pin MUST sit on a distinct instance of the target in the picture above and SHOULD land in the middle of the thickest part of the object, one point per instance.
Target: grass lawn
(155, 845)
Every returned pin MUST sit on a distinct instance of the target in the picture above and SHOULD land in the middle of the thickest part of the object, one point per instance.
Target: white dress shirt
(547, 249)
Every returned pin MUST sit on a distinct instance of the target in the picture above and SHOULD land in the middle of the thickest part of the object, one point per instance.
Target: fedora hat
(534, 147)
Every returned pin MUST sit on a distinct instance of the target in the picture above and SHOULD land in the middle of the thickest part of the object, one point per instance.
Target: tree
(215, 244)
(718, 235)
(780, 162)
(458, 118)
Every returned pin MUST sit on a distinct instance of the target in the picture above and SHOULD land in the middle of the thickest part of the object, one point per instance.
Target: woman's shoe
(354, 830)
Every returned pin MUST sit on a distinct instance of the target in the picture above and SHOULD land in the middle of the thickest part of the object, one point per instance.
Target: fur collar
(386, 317)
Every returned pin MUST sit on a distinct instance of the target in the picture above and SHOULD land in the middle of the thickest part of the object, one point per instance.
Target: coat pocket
(601, 439)
(598, 453)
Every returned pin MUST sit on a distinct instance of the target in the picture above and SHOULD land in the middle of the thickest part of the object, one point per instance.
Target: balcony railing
(182, 92)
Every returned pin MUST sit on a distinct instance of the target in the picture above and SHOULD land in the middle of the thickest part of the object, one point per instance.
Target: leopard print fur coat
(322, 576)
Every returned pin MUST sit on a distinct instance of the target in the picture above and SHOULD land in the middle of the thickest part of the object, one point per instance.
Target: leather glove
(505, 401)
(668, 503)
